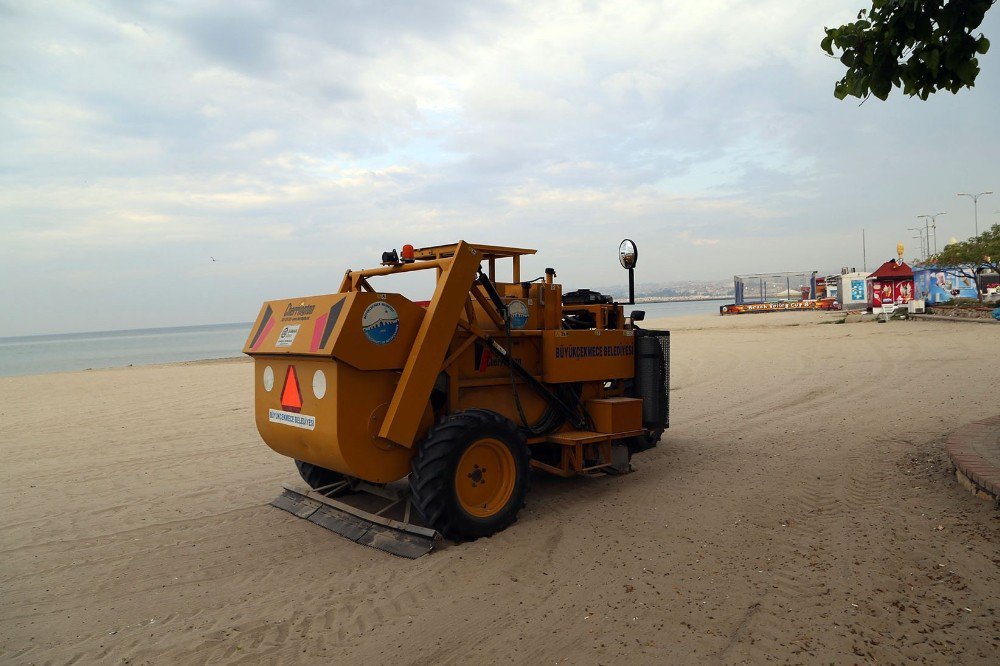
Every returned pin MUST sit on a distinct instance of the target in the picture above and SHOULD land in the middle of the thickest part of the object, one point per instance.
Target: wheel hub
(478, 475)
(484, 478)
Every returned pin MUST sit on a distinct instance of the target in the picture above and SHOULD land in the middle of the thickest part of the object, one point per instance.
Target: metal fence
(764, 287)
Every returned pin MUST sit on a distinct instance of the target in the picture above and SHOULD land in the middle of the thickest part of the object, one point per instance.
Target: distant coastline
(678, 299)
(70, 352)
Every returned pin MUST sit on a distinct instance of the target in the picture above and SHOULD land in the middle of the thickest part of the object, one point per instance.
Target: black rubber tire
(644, 442)
(317, 476)
(432, 473)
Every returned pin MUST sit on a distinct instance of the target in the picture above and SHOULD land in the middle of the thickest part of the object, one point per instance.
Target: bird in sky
(212, 258)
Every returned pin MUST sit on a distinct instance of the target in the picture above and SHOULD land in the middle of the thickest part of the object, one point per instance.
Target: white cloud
(324, 132)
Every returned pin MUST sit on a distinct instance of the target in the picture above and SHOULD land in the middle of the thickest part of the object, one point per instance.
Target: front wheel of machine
(321, 477)
(645, 442)
(470, 475)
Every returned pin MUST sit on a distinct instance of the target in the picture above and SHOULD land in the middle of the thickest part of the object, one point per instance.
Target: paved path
(958, 319)
(975, 450)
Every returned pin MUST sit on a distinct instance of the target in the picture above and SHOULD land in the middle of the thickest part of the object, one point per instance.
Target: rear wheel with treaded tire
(641, 443)
(470, 475)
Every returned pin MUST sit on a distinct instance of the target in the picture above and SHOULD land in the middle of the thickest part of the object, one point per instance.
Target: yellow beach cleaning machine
(412, 421)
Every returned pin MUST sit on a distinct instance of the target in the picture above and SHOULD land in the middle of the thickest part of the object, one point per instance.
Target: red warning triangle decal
(291, 396)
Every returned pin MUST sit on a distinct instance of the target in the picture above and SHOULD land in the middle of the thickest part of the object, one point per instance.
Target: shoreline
(218, 360)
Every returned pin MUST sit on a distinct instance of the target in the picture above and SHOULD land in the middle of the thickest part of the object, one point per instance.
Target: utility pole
(864, 256)
(975, 204)
(919, 235)
(933, 225)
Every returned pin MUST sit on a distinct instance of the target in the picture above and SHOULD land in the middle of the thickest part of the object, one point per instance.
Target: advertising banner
(780, 306)
(903, 292)
(857, 290)
(887, 293)
(877, 294)
(939, 285)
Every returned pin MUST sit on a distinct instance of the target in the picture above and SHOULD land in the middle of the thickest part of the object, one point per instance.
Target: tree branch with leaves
(920, 46)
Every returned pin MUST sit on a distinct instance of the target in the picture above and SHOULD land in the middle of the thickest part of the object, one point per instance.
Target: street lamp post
(975, 205)
(933, 227)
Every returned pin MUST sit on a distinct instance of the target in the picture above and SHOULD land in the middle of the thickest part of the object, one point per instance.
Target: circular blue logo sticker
(518, 314)
(380, 323)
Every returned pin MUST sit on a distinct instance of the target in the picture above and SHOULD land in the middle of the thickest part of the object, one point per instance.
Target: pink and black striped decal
(323, 326)
(265, 326)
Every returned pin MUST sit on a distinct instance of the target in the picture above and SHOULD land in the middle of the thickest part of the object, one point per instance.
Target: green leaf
(860, 86)
(983, 45)
(966, 71)
(934, 61)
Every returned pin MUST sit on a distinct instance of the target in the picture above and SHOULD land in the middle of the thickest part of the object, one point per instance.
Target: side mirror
(637, 315)
(628, 254)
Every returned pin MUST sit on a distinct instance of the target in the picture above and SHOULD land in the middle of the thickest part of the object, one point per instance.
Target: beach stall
(940, 284)
(850, 288)
(891, 284)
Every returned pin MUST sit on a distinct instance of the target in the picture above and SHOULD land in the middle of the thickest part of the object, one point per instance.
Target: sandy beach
(800, 508)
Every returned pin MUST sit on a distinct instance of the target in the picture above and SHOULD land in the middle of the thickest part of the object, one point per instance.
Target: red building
(891, 283)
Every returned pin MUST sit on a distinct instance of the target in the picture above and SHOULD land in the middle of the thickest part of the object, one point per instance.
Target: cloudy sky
(291, 141)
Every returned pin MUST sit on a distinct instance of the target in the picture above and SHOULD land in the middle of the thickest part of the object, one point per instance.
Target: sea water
(37, 354)
(677, 308)
(67, 352)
